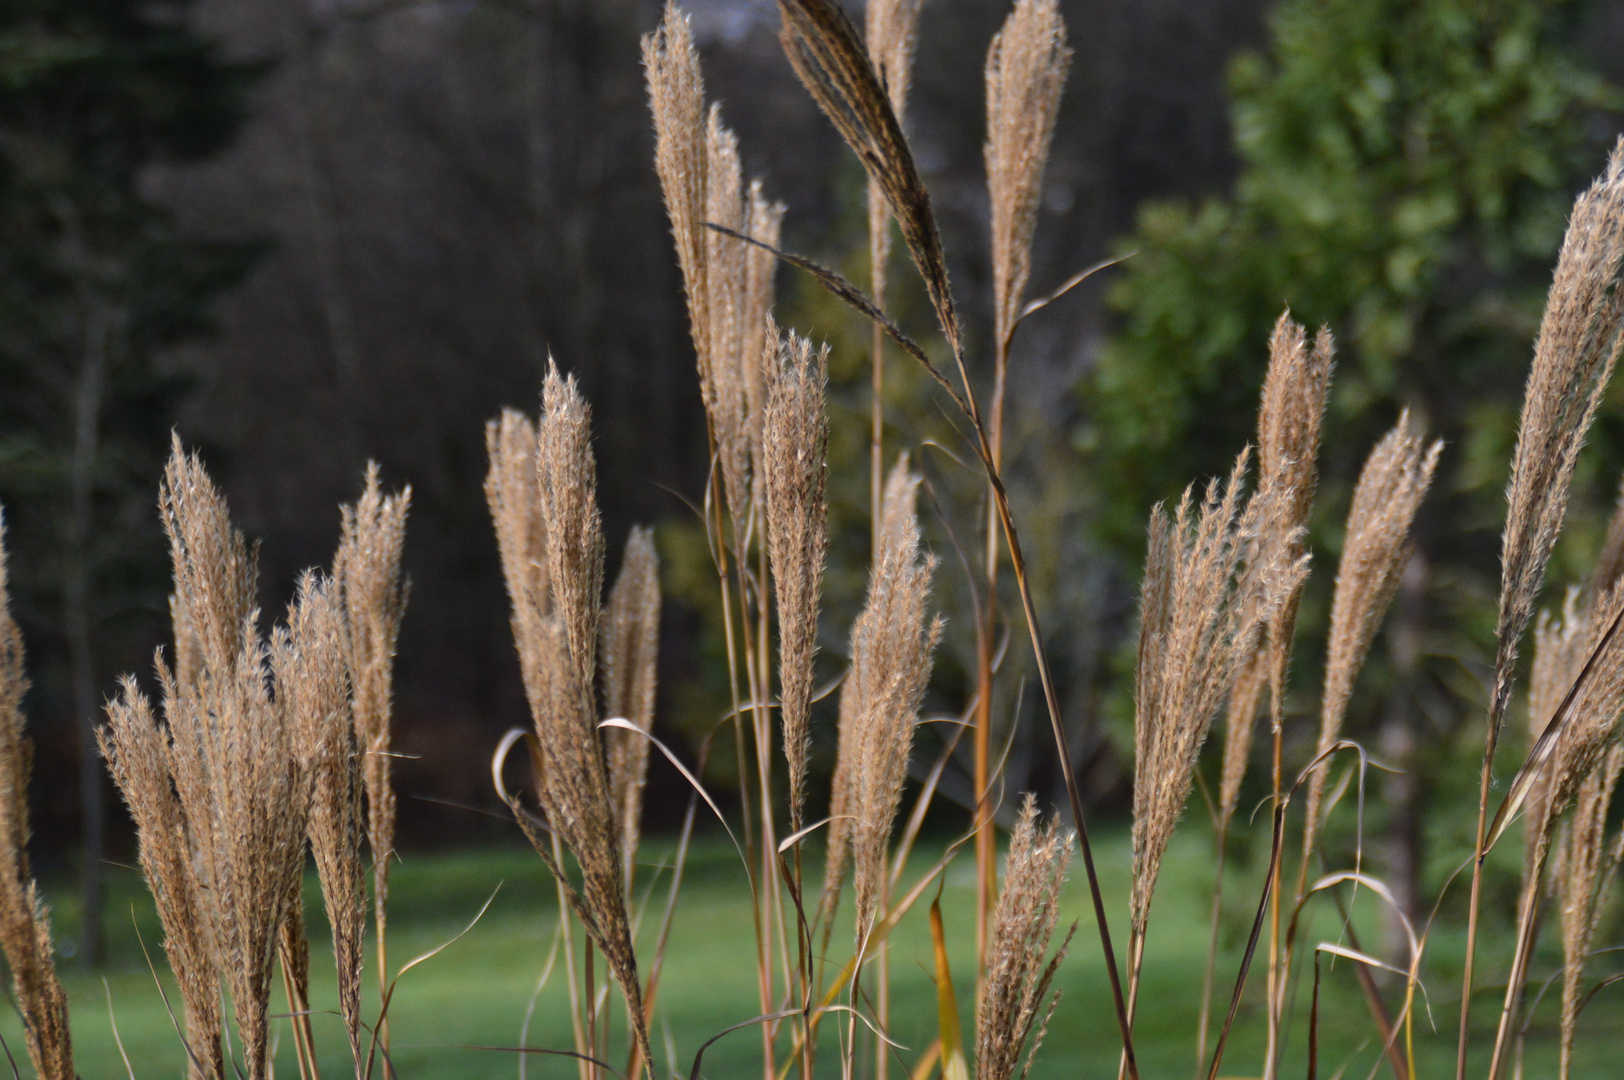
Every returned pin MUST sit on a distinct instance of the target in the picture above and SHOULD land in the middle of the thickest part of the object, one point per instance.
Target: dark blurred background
(308, 233)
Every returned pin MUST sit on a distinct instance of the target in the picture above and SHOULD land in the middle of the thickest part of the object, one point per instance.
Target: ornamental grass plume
(1018, 978)
(1376, 547)
(1197, 628)
(1026, 72)
(372, 599)
(892, 643)
(243, 792)
(891, 29)
(1584, 880)
(551, 515)
(728, 285)
(628, 652)
(312, 677)
(795, 468)
(25, 930)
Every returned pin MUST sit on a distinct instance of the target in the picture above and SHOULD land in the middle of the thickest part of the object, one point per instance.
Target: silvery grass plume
(1574, 356)
(137, 753)
(313, 681)
(551, 516)
(25, 931)
(1026, 72)
(891, 646)
(1018, 977)
(372, 599)
(243, 794)
(1289, 421)
(1290, 413)
(729, 286)
(1376, 546)
(628, 653)
(1585, 878)
(1199, 622)
(795, 469)
(891, 30)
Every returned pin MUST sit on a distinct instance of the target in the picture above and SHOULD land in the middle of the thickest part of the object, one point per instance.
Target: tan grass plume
(313, 682)
(557, 646)
(372, 599)
(795, 468)
(1026, 72)
(1196, 630)
(1376, 546)
(1574, 356)
(1019, 971)
(628, 654)
(243, 791)
(892, 643)
(25, 931)
(1585, 878)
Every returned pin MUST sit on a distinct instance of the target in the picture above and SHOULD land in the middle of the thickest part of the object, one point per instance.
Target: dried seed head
(372, 599)
(137, 754)
(628, 652)
(1197, 629)
(795, 466)
(313, 684)
(1026, 71)
(891, 652)
(1375, 549)
(557, 637)
(1018, 978)
(1584, 879)
(243, 791)
(1573, 360)
(25, 933)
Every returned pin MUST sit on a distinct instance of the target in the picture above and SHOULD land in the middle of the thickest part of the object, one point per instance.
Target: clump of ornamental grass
(25, 930)
(551, 515)
(229, 748)
(1574, 356)
(1020, 970)
(795, 466)
(1204, 602)
(628, 655)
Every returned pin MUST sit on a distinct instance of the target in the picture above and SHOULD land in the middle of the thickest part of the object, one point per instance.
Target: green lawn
(475, 993)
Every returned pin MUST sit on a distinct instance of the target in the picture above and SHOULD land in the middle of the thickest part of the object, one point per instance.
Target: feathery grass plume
(312, 678)
(557, 651)
(1574, 356)
(1609, 564)
(729, 286)
(1026, 71)
(1018, 979)
(628, 651)
(829, 58)
(1240, 724)
(372, 598)
(243, 791)
(1376, 546)
(676, 93)
(1196, 630)
(1584, 879)
(891, 649)
(25, 932)
(837, 850)
(1557, 662)
(794, 472)
(137, 754)
(891, 29)
(723, 379)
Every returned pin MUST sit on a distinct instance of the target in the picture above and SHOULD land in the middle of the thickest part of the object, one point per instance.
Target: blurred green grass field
(475, 993)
